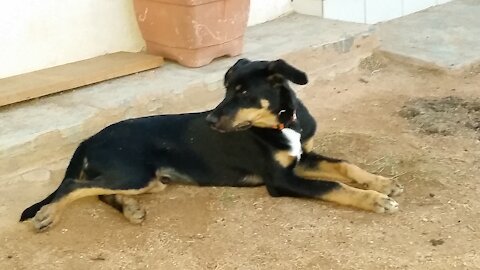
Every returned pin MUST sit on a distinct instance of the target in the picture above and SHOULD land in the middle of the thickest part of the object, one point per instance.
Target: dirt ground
(420, 126)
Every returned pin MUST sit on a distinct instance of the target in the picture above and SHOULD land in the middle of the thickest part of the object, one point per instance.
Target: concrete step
(38, 137)
(441, 37)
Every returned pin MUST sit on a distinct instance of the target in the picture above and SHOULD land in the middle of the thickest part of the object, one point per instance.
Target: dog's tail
(74, 170)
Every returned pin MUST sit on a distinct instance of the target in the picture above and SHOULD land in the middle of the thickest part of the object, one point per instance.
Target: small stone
(9, 256)
(431, 195)
(363, 80)
(199, 236)
(436, 242)
(98, 258)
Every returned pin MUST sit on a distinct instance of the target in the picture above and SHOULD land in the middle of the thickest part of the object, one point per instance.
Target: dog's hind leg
(73, 189)
(127, 205)
(314, 166)
(68, 191)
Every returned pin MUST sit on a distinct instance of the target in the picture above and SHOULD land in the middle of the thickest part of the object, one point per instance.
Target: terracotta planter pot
(193, 32)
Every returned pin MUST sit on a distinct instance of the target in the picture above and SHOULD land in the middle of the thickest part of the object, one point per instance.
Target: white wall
(266, 10)
(308, 7)
(37, 34)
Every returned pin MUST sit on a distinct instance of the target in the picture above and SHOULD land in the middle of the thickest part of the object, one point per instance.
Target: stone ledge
(439, 38)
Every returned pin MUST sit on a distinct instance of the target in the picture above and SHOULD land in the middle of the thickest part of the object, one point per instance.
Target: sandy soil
(380, 117)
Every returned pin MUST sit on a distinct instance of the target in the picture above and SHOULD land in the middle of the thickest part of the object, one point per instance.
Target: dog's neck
(290, 129)
(293, 137)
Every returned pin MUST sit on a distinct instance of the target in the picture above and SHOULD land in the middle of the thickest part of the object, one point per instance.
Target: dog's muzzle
(224, 124)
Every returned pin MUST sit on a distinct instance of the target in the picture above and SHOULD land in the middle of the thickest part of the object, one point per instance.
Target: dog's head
(257, 94)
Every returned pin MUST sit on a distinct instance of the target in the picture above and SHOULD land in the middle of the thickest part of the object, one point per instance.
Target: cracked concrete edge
(326, 61)
(46, 157)
(424, 64)
(435, 38)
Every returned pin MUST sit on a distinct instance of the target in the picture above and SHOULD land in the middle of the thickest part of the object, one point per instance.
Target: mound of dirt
(373, 63)
(446, 116)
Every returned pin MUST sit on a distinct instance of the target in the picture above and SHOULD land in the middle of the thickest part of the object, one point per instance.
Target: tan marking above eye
(238, 87)
(274, 77)
(265, 103)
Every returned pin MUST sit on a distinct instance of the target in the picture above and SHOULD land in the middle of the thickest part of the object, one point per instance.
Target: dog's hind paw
(45, 218)
(133, 211)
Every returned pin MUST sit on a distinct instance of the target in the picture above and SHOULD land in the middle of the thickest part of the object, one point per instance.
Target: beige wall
(37, 34)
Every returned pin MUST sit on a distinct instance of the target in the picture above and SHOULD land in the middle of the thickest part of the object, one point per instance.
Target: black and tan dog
(260, 134)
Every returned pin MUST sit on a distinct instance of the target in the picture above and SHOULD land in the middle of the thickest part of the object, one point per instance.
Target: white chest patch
(293, 138)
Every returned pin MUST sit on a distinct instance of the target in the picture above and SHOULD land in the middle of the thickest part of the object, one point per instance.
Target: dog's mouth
(221, 130)
(243, 126)
(240, 127)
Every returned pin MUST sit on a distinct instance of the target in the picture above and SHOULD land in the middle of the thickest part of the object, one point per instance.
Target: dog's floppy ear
(241, 61)
(228, 74)
(289, 72)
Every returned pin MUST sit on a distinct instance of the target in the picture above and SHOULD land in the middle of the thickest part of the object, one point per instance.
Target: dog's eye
(239, 90)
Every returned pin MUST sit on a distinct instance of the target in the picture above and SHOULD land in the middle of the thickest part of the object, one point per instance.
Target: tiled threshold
(363, 11)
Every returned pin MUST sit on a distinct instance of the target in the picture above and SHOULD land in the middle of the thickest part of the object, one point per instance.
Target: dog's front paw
(377, 202)
(384, 204)
(387, 186)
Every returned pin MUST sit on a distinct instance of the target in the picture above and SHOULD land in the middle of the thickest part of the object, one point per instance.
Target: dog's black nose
(212, 119)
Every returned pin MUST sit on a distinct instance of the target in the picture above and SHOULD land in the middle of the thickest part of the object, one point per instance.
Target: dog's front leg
(314, 166)
(286, 183)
